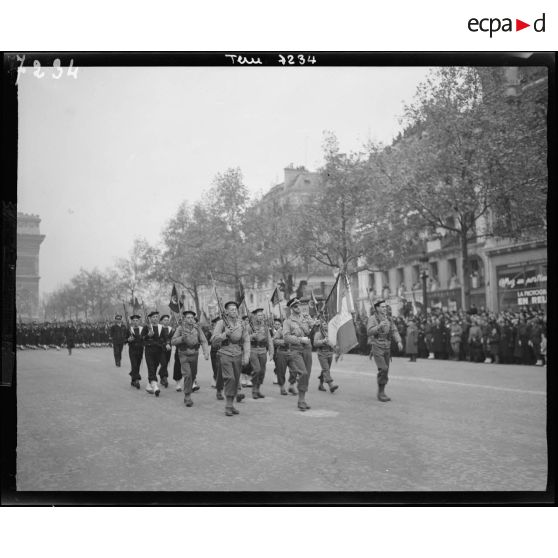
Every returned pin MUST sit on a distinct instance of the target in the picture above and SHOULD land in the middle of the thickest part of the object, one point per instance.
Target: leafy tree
(454, 164)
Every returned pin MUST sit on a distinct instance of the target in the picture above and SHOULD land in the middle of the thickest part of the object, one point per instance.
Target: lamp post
(424, 276)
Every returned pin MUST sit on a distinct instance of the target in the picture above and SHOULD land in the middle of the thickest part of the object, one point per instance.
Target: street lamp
(424, 276)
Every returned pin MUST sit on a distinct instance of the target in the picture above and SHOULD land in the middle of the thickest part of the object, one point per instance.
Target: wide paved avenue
(451, 426)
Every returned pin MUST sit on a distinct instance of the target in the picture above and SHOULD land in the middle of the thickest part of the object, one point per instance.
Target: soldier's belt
(230, 342)
(258, 344)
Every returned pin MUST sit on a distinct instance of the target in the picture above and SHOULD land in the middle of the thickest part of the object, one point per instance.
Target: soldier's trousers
(258, 362)
(214, 364)
(219, 383)
(230, 370)
(189, 368)
(152, 359)
(136, 355)
(281, 359)
(177, 370)
(325, 363)
(307, 358)
(295, 362)
(381, 358)
(163, 365)
(117, 350)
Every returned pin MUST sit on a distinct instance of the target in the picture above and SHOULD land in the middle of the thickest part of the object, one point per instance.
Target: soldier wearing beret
(296, 335)
(188, 338)
(260, 344)
(117, 336)
(381, 329)
(234, 352)
(135, 349)
(153, 343)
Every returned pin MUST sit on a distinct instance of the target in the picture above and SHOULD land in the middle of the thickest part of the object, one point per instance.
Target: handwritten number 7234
(38, 72)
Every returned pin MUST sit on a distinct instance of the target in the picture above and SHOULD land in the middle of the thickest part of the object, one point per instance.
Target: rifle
(220, 304)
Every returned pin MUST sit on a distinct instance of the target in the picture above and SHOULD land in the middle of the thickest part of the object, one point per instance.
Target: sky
(109, 156)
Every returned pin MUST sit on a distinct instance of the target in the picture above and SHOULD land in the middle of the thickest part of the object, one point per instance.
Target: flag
(341, 326)
(313, 305)
(275, 297)
(204, 320)
(136, 306)
(174, 304)
(330, 304)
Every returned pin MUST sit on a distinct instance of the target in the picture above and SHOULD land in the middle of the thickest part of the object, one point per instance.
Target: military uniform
(295, 333)
(166, 335)
(325, 357)
(381, 330)
(188, 339)
(135, 352)
(70, 335)
(281, 358)
(153, 344)
(234, 349)
(260, 344)
(118, 334)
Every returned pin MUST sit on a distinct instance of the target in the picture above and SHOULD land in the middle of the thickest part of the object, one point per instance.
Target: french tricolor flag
(341, 326)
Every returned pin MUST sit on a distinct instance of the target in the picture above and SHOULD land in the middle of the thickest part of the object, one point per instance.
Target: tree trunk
(465, 289)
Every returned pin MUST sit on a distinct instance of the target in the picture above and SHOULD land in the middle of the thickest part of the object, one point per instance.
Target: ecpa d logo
(494, 24)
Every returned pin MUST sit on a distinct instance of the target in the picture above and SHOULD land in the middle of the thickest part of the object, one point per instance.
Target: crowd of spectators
(476, 336)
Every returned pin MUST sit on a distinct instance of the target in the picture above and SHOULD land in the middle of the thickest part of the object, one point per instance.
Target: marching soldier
(70, 334)
(135, 349)
(309, 326)
(187, 338)
(325, 357)
(215, 365)
(296, 336)
(234, 352)
(166, 336)
(118, 334)
(260, 344)
(153, 343)
(380, 331)
(281, 357)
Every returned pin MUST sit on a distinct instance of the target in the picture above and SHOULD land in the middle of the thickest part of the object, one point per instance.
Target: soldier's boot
(293, 390)
(219, 395)
(283, 390)
(302, 405)
(332, 386)
(229, 406)
(321, 386)
(156, 389)
(188, 400)
(255, 391)
(260, 394)
(382, 394)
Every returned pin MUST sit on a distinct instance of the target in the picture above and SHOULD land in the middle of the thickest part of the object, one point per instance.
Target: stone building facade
(29, 239)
